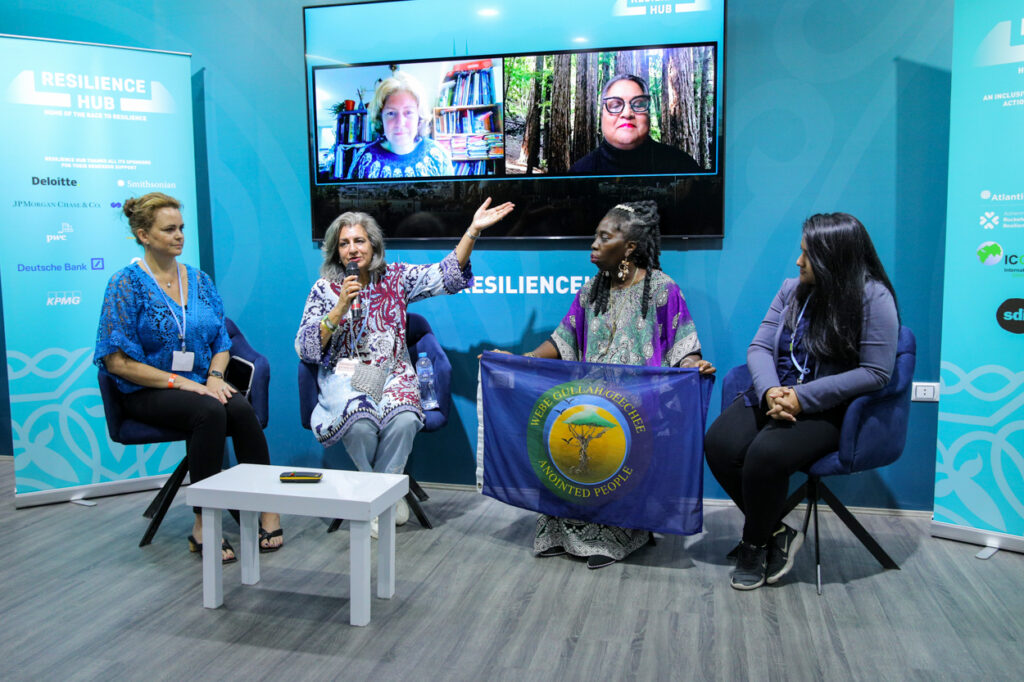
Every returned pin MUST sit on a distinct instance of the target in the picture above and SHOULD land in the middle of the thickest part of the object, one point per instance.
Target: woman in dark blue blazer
(829, 336)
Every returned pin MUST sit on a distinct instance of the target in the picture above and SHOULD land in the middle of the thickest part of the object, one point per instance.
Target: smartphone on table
(301, 477)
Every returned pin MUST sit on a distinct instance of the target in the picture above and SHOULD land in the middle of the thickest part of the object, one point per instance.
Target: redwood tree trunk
(671, 107)
(529, 154)
(626, 63)
(560, 128)
(585, 110)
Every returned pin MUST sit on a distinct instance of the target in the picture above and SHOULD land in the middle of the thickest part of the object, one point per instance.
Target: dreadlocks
(639, 222)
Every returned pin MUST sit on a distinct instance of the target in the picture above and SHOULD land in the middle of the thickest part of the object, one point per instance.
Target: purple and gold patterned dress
(620, 336)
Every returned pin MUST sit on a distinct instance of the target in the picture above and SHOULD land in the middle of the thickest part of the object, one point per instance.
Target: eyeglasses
(640, 104)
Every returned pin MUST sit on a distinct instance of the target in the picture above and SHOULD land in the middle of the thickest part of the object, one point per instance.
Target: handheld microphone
(357, 310)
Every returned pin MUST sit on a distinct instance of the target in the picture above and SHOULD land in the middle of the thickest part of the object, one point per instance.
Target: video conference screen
(420, 109)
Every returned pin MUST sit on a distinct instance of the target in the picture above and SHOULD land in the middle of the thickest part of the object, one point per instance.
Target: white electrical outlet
(926, 392)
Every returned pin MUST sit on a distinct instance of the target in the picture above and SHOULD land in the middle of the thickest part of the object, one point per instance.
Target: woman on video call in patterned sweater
(399, 113)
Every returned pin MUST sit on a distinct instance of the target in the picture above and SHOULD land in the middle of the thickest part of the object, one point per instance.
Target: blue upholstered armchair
(130, 432)
(873, 435)
(419, 339)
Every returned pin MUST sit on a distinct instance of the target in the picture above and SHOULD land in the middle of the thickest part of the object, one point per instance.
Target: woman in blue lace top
(399, 113)
(171, 357)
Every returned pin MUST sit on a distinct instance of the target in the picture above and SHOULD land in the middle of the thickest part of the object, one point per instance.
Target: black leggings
(208, 424)
(752, 456)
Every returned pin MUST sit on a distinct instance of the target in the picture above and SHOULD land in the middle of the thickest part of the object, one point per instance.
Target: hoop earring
(623, 269)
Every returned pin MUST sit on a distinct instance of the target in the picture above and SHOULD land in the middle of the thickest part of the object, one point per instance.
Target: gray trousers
(383, 451)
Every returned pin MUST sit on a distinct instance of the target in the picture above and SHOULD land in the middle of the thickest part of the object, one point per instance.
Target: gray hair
(626, 77)
(399, 82)
(332, 269)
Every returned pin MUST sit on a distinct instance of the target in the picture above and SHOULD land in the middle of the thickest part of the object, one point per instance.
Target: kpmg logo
(1010, 315)
(62, 298)
(61, 235)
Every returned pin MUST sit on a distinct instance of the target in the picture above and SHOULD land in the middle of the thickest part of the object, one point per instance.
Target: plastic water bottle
(425, 373)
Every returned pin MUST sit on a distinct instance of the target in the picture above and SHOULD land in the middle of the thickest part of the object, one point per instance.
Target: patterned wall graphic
(979, 474)
(95, 125)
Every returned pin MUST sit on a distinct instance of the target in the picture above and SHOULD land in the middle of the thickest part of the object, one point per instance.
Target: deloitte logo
(990, 253)
(579, 438)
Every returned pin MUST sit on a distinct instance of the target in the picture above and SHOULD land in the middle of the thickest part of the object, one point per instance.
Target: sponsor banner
(979, 477)
(95, 125)
(612, 444)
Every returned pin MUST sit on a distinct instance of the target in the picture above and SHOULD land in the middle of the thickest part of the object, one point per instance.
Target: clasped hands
(214, 387)
(783, 403)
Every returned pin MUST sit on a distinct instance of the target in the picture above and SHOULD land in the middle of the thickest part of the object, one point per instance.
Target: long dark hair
(843, 260)
(637, 221)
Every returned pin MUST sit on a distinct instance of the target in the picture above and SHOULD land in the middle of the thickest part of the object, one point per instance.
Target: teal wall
(829, 106)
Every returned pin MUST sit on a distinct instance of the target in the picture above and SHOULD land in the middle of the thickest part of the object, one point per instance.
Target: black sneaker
(599, 561)
(782, 549)
(557, 550)
(751, 564)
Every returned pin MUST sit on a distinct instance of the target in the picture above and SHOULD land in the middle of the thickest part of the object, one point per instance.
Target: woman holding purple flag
(631, 313)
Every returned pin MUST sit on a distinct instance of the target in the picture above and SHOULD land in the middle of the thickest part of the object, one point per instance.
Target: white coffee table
(255, 488)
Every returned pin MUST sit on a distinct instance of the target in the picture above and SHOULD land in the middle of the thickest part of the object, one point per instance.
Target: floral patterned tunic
(377, 339)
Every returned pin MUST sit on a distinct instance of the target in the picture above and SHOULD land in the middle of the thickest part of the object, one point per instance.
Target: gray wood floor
(81, 601)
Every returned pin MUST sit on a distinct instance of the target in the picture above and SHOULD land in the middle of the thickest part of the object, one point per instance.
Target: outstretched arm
(484, 217)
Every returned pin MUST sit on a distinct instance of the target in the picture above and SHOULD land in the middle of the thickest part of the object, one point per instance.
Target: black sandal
(225, 546)
(264, 535)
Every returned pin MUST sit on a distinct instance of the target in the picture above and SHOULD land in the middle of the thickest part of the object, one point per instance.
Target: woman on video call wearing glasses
(626, 147)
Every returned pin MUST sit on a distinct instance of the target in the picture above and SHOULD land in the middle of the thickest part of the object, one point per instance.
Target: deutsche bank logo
(97, 263)
(54, 298)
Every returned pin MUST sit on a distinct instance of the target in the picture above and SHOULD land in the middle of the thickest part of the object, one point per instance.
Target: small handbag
(370, 379)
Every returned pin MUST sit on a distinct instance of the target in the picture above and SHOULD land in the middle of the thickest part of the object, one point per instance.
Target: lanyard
(357, 338)
(803, 369)
(183, 324)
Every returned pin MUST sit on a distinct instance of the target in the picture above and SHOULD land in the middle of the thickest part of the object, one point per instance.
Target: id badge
(182, 361)
(346, 367)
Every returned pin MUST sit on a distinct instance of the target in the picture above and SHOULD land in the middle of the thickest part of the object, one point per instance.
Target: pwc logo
(61, 235)
(1010, 315)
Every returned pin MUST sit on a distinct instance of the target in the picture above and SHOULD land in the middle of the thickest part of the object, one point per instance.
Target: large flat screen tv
(419, 109)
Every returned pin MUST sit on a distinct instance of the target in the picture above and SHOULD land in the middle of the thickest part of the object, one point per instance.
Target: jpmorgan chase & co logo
(580, 438)
(1010, 315)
